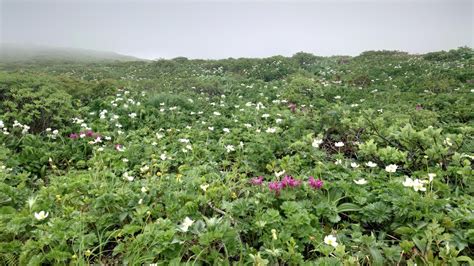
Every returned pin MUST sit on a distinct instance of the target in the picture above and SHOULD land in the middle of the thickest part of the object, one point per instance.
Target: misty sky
(222, 29)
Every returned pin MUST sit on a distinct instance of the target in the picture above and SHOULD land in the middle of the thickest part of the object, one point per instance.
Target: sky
(235, 28)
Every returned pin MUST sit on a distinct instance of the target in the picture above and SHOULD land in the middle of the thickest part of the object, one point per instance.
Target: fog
(222, 29)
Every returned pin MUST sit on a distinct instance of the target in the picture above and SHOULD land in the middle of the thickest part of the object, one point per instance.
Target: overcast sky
(222, 29)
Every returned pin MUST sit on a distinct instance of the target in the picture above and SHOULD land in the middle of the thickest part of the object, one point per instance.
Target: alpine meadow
(301, 160)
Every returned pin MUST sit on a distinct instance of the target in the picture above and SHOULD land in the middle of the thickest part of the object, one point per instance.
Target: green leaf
(348, 207)
(376, 256)
(420, 244)
(465, 259)
(130, 229)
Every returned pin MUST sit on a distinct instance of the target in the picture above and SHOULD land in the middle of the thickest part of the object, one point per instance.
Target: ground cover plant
(362, 160)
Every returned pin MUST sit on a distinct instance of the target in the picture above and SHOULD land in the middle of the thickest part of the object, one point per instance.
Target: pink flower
(257, 180)
(275, 186)
(290, 181)
(419, 107)
(73, 136)
(292, 106)
(89, 133)
(317, 184)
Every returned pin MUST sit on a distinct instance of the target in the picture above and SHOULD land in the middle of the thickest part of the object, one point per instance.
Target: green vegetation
(276, 161)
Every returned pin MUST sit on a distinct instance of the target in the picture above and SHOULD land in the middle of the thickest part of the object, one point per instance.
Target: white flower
(1, 124)
(217, 113)
(128, 177)
(408, 182)
(247, 125)
(140, 201)
(25, 129)
(360, 181)
(204, 187)
(144, 169)
(278, 174)
(144, 189)
(316, 143)
(265, 115)
(187, 222)
(431, 176)
(41, 215)
(184, 140)
(330, 240)
(337, 97)
(271, 130)
(391, 168)
(226, 130)
(448, 142)
(210, 128)
(229, 148)
(418, 185)
(371, 164)
(339, 144)
(278, 120)
(132, 115)
(354, 165)
(120, 148)
(338, 162)
(163, 157)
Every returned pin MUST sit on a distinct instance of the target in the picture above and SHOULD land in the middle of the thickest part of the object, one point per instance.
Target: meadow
(301, 160)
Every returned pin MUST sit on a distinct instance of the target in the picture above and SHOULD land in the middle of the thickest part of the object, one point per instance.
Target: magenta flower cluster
(87, 133)
(287, 182)
(317, 184)
(292, 107)
(257, 180)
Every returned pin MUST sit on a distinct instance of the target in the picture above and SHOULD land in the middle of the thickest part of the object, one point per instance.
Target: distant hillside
(34, 53)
